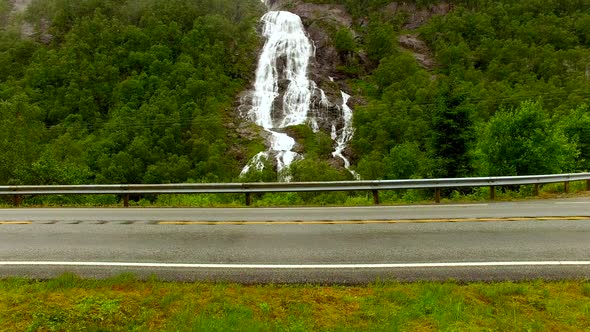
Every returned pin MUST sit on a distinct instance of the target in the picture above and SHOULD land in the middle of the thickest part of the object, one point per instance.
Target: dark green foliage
(405, 161)
(315, 145)
(523, 142)
(576, 126)
(21, 133)
(399, 113)
(311, 169)
(15, 55)
(267, 174)
(344, 41)
(381, 41)
(489, 55)
(126, 92)
(452, 133)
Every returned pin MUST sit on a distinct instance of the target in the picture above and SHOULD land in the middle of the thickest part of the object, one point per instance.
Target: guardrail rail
(18, 192)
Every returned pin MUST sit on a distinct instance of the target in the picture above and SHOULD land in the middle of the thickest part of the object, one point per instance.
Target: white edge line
(570, 203)
(293, 267)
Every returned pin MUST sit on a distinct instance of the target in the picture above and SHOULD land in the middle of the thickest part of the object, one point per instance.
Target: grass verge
(125, 304)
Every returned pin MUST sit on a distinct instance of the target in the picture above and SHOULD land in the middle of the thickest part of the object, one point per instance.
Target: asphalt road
(105, 242)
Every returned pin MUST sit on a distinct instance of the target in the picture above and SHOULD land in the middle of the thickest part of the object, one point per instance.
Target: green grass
(125, 304)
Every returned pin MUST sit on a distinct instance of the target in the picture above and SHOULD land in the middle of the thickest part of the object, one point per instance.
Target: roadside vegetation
(68, 303)
(577, 189)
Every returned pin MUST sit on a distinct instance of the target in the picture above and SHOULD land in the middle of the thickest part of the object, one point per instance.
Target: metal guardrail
(249, 188)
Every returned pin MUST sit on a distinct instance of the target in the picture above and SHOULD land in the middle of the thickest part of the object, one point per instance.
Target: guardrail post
(566, 187)
(437, 195)
(126, 200)
(536, 189)
(587, 185)
(376, 197)
(492, 193)
(248, 199)
(17, 200)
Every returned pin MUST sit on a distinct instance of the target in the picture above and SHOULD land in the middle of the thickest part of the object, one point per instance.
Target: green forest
(509, 93)
(145, 91)
(125, 91)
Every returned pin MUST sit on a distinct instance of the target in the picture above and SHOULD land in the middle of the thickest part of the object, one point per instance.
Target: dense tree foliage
(523, 141)
(125, 92)
(494, 61)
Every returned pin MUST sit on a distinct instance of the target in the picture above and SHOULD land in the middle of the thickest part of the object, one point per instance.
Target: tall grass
(68, 303)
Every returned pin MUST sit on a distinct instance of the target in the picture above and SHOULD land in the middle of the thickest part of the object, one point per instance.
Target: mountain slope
(138, 91)
(149, 91)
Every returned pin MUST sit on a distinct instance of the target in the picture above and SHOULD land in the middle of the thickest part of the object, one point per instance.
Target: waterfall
(346, 134)
(283, 92)
(285, 42)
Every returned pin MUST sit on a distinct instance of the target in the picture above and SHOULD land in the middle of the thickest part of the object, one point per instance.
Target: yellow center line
(342, 222)
(356, 222)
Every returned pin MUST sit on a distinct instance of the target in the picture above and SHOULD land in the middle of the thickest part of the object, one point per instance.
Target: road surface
(499, 241)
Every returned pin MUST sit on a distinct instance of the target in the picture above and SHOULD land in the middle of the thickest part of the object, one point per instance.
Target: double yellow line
(364, 222)
(340, 222)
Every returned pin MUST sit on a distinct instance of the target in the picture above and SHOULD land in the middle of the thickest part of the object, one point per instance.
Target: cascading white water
(346, 134)
(283, 92)
(285, 41)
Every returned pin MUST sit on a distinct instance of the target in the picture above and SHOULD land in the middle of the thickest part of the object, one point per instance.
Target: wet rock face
(417, 16)
(38, 30)
(320, 20)
(335, 14)
(419, 50)
(19, 6)
(326, 54)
